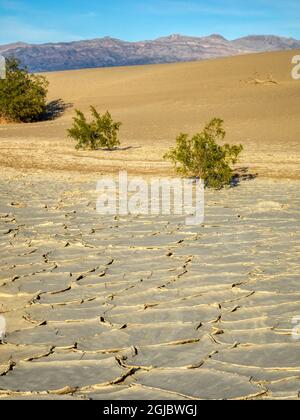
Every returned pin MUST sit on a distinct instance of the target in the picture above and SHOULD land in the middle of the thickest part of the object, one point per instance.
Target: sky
(40, 21)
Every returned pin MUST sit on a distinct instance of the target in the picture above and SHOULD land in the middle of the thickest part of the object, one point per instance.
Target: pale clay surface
(146, 307)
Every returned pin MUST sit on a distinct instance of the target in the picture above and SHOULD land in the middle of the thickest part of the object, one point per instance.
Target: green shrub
(201, 156)
(22, 95)
(101, 132)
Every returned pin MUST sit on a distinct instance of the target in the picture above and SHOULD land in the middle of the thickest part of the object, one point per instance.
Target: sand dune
(156, 102)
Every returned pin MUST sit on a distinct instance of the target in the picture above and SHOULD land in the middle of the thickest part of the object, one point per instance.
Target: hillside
(109, 52)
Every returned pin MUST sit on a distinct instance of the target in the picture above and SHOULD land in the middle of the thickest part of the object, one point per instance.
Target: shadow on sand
(55, 109)
(119, 149)
(241, 175)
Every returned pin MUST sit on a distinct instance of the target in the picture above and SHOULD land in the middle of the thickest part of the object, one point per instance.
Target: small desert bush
(22, 95)
(100, 132)
(201, 156)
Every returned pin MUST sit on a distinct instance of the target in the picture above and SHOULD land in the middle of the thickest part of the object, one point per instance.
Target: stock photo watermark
(2, 328)
(2, 67)
(296, 328)
(161, 196)
(296, 68)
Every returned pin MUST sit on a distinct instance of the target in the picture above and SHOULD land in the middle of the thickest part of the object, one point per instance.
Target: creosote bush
(201, 156)
(22, 95)
(101, 132)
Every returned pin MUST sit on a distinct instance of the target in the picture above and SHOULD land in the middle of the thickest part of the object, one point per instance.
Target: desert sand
(156, 103)
(145, 307)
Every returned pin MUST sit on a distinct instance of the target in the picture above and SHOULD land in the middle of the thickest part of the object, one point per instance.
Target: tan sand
(155, 103)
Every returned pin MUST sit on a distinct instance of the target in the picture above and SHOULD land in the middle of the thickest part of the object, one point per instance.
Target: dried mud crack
(146, 307)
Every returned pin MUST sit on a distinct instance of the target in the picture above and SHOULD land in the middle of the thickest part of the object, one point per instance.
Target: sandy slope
(156, 102)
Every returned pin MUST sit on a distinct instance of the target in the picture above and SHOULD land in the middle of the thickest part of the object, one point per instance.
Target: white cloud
(13, 29)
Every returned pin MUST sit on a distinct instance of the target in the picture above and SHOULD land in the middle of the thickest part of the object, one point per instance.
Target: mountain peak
(110, 52)
(13, 46)
(176, 36)
(217, 36)
(266, 43)
(172, 37)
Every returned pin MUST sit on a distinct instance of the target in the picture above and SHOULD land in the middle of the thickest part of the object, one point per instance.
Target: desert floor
(156, 103)
(146, 307)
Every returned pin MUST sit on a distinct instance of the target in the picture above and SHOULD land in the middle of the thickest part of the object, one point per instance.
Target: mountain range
(109, 52)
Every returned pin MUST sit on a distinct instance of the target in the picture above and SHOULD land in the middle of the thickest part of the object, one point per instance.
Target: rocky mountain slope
(109, 52)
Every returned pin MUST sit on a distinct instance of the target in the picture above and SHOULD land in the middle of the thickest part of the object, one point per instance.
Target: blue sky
(39, 21)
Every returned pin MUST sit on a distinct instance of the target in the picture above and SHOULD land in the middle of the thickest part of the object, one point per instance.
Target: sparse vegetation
(22, 95)
(257, 80)
(201, 156)
(101, 132)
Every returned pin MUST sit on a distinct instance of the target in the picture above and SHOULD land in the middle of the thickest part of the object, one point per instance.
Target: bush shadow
(241, 175)
(55, 109)
(119, 148)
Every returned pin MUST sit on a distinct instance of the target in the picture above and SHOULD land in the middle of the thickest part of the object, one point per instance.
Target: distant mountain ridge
(109, 52)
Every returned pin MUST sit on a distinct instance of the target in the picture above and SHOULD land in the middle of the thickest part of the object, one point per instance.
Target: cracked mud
(147, 307)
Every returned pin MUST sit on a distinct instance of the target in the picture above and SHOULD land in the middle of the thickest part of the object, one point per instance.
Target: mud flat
(147, 307)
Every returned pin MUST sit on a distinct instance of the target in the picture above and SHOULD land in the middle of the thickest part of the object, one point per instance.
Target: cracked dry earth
(147, 307)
